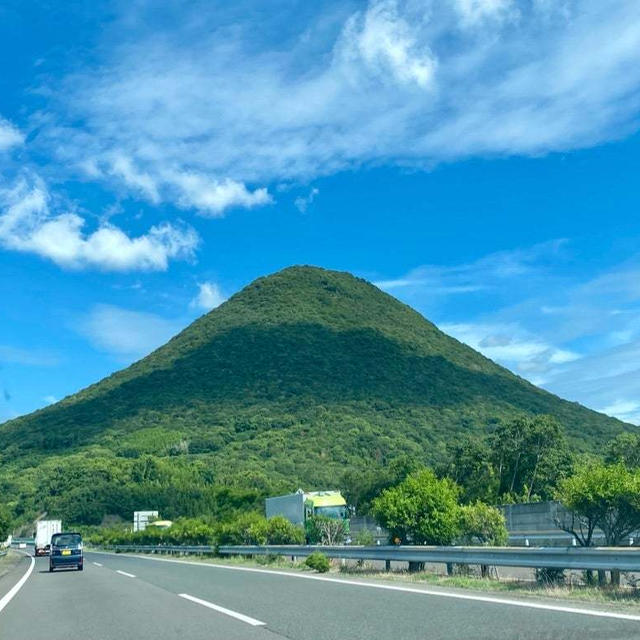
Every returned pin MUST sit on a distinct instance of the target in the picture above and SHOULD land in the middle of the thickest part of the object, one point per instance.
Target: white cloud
(124, 168)
(487, 273)
(10, 136)
(213, 197)
(50, 399)
(209, 296)
(205, 115)
(473, 12)
(579, 339)
(127, 333)
(302, 202)
(387, 44)
(512, 347)
(27, 224)
(625, 410)
(30, 357)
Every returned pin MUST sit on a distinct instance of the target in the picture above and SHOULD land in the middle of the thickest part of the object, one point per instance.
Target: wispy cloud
(125, 333)
(10, 136)
(302, 203)
(28, 224)
(205, 116)
(488, 273)
(382, 38)
(579, 338)
(30, 357)
(209, 296)
(512, 346)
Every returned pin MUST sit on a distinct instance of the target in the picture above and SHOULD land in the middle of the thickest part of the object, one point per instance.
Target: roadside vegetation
(574, 587)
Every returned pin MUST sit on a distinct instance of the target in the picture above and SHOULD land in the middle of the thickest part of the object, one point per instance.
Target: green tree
(323, 530)
(482, 523)
(422, 509)
(604, 496)
(624, 448)
(5, 523)
(530, 456)
(361, 486)
(470, 465)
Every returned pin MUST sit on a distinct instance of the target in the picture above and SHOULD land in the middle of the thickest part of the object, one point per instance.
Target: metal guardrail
(624, 559)
(162, 548)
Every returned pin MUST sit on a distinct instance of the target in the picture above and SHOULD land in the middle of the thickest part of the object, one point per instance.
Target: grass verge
(626, 596)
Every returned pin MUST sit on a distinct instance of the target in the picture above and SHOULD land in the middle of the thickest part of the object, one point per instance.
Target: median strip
(227, 612)
(124, 573)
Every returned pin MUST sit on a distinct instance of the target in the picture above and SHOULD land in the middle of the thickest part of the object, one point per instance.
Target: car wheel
(80, 567)
(50, 569)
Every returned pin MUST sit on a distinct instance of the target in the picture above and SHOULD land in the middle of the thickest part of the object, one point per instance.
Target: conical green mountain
(297, 377)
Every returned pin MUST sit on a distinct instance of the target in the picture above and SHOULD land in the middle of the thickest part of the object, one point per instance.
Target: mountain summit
(296, 376)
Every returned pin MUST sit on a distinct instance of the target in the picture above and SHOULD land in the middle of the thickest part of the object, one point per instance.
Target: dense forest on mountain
(307, 377)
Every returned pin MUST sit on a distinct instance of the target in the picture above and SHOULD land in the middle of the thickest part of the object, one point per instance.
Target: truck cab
(329, 504)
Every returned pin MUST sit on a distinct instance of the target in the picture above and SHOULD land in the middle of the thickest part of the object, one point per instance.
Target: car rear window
(66, 539)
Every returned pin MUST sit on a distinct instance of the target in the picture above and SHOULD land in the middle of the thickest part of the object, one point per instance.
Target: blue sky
(477, 159)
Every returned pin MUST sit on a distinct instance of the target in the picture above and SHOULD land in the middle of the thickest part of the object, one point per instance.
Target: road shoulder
(12, 568)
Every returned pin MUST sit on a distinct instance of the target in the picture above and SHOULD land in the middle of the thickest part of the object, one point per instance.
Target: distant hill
(296, 378)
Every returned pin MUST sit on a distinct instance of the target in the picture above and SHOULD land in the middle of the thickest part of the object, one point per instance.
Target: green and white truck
(298, 507)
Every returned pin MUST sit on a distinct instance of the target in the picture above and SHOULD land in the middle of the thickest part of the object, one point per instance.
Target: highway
(119, 596)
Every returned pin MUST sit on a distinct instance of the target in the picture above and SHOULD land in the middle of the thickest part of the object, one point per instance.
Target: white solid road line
(227, 612)
(97, 564)
(6, 599)
(124, 573)
(424, 592)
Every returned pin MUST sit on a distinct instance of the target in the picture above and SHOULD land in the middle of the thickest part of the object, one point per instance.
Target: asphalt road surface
(119, 596)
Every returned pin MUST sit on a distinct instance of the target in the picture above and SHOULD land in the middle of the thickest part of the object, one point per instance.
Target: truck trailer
(299, 506)
(44, 530)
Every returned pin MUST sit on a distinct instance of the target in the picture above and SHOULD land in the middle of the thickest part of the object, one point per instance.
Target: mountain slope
(297, 376)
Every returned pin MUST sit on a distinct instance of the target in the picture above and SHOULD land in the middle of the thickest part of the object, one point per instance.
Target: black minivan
(66, 551)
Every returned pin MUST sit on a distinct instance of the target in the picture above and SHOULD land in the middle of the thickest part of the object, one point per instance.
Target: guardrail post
(387, 565)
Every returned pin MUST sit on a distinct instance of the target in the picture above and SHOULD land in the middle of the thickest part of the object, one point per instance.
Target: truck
(44, 530)
(299, 506)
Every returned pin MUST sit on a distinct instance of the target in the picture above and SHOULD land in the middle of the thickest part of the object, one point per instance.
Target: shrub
(318, 561)
(364, 538)
(548, 576)
(250, 528)
(323, 530)
(281, 531)
(481, 523)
